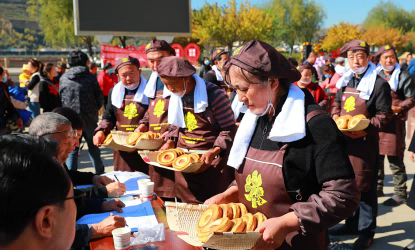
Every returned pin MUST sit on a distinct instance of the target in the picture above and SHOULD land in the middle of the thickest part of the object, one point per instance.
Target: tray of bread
(139, 140)
(352, 123)
(225, 226)
(109, 142)
(177, 159)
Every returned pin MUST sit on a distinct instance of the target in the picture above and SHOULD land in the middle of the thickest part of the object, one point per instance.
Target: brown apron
(128, 117)
(200, 134)
(363, 152)
(157, 119)
(392, 136)
(261, 187)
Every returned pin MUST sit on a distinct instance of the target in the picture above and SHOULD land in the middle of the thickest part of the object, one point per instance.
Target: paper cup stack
(121, 238)
(146, 189)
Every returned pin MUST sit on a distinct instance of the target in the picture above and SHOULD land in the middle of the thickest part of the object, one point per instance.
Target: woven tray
(183, 218)
(114, 145)
(361, 125)
(120, 137)
(150, 157)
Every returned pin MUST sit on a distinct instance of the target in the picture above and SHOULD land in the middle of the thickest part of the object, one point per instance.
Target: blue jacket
(411, 67)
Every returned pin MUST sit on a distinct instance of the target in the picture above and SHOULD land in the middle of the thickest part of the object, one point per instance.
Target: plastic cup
(121, 238)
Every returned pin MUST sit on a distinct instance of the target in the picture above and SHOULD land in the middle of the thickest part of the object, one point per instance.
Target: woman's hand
(275, 230)
(168, 145)
(207, 159)
(229, 196)
(411, 156)
(142, 128)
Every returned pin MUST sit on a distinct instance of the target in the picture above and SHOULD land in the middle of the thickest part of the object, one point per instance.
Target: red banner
(112, 53)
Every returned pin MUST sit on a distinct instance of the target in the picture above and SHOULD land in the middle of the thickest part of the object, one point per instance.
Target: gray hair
(47, 123)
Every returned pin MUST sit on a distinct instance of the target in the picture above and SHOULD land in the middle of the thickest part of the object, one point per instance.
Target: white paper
(130, 193)
(141, 222)
(132, 202)
(123, 176)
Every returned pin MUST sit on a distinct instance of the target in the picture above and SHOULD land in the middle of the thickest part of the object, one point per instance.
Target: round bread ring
(250, 221)
(238, 225)
(195, 157)
(132, 138)
(236, 210)
(360, 116)
(218, 226)
(355, 120)
(179, 151)
(243, 208)
(166, 158)
(144, 136)
(342, 122)
(211, 214)
(227, 211)
(260, 217)
(108, 139)
(182, 162)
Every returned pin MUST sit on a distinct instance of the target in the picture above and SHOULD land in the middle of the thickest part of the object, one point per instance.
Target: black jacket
(85, 178)
(7, 110)
(80, 90)
(48, 101)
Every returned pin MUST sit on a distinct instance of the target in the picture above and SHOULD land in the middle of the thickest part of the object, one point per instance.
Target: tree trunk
(89, 43)
(230, 45)
(123, 40)
(292, 49)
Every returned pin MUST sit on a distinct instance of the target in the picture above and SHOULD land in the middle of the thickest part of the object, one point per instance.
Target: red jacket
(106, 82)
(316, 91)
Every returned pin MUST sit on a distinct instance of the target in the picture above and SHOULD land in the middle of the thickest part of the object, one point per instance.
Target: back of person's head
(108, 66)
(92, 66)
(47, 122)
(47, 69)
(77, 58)
(33, 190)
(70, 114)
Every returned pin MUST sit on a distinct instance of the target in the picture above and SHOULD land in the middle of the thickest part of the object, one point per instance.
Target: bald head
(312, 57)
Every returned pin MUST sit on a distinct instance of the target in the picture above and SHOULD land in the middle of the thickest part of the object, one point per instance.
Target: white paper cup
(121, 238)
(143, 181)
(146, 188)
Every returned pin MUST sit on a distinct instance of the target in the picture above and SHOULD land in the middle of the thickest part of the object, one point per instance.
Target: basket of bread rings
(352, 123)
(109, 142)
(138, 140)
(177, 159)
(225, 226)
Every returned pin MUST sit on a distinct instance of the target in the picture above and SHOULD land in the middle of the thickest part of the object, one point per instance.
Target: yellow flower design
(387, 47)
(148, 45)
(191, 122)
(159, 108)
(255, 191)
(363, 44)
(125, 59)
(350, 104)
(130, 111)
(218, 51)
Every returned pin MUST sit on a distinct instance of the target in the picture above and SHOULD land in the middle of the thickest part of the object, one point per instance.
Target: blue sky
(352, 11)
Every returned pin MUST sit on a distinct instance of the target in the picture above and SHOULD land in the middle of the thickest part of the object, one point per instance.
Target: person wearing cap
(301, 196)
(79, 90)
(218, 58)
(362, 92)
(392, 136)
(155, 118)
(126, 106)
(305, 83)
(107, 80)
(340, 69)
(61, 68)
(200, 118)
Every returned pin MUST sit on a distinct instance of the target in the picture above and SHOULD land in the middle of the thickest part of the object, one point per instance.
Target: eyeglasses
(71, 133)
(76, 197)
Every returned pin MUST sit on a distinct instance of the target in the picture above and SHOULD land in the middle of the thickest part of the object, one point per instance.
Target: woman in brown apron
(155, 119)
(201, 118)
(126, 107)
(362, 91)
(301, 196)
(392, 137)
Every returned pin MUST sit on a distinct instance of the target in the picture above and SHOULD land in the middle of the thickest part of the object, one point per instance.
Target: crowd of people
(265, 122)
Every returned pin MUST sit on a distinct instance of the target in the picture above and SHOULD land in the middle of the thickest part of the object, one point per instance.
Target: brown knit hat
(260, 58)
(217, 53)
(121, 62)
(355, 45)
(384, 49)
(159, 45)
(173, 66)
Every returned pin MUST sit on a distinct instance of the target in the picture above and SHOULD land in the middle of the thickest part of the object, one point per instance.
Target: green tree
(296, 20)
(339, 35)
(391, 16)
(56, 20)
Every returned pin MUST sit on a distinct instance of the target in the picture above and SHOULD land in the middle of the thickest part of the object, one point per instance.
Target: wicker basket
(149, 144)
(114, 145)
(120, 137)
(183, 218)
(361, 125)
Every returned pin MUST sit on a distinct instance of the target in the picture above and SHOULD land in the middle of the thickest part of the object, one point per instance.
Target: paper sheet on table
(141, 222)
(131, 203)
(142, 210)
(123, 176)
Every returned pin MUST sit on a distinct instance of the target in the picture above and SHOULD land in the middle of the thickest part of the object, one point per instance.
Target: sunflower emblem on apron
(159, 108)
(255, 191)
(350, 104)
(191, 122)
(130, 111)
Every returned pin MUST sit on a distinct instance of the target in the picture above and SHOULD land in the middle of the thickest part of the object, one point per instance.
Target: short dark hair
(72, 116)
(293, 61)
(1, 72)
(328, 68)
(47, 68)
(92, 65)
(30, 178)
(77, 58)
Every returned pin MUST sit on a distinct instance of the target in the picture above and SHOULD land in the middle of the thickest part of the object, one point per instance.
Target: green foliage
(14, 11)
(391, 16)
(10, 38)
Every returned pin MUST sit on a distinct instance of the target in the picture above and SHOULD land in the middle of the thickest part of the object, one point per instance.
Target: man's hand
(99, 138)
(105, 227)
(411, 156)
(115, 189)
(168, 145)
(335, 117)
(112, 205)
(142, 128)
(19, 123)
(101, 180)
(217, 199)
(355, 134)
(207, 159)
(396, 109)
